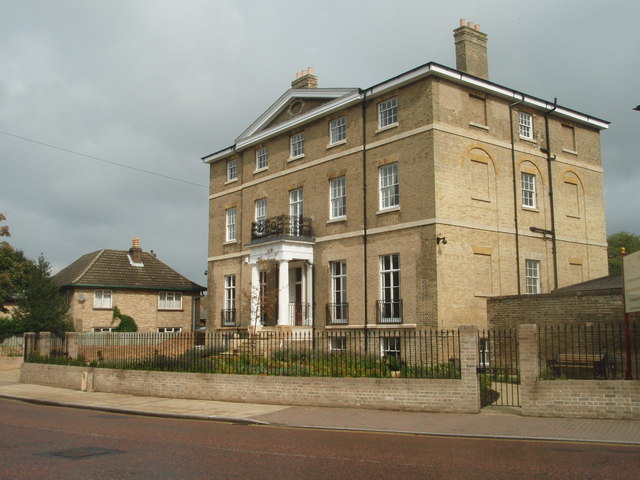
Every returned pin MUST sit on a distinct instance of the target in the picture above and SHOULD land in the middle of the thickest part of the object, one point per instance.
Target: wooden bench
(580, 361)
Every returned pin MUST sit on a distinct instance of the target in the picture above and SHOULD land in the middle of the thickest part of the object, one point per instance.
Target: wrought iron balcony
(229, 317)
(299, 314)
(337, 313)
(281, 226)
(389, 312)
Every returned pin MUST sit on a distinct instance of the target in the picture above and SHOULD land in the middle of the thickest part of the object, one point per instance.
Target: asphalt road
(42, 442)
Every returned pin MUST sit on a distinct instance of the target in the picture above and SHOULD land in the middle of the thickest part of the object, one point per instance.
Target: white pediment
(333, 98)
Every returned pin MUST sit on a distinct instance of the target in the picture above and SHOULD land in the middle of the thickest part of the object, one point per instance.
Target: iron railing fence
(374, 353)
(499, 367)
(12, 346)
(589, 351)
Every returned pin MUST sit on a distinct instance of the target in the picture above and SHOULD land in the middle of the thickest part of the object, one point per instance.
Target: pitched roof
(114, 269)
(610, 282)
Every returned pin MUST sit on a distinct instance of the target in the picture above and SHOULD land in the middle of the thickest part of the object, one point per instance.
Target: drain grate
(83, 452)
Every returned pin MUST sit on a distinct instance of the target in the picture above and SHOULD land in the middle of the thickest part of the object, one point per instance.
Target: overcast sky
(158, 84)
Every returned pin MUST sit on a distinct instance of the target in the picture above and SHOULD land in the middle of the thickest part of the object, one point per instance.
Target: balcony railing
(388, 312)
(299, 314)
(281, 226)
(229, 317)
(337, 313)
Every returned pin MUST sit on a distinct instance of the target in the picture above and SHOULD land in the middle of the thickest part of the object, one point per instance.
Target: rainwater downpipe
(364, 213)
(550, 158)
(516, 205)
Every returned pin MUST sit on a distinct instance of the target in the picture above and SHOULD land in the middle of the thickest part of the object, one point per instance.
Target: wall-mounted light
(441, 239)
(81, 298)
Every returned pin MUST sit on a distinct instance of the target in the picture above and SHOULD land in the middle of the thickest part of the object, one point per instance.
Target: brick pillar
(73, 340)
(468, 365)
(44, 344)
(529, 364)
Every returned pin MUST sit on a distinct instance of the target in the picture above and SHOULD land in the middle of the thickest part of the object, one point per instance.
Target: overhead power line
(110, 162)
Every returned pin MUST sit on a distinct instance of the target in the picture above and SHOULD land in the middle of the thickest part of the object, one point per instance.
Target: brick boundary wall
(556, 308)
(427, 395)
(613, 399)
(380, 393)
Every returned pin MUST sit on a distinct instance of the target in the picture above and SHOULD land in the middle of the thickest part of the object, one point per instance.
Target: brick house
(157, 297)
(405, 204)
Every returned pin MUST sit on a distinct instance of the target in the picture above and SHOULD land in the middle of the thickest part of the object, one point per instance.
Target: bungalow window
(169, 301)
(102, 299)
(169, 329)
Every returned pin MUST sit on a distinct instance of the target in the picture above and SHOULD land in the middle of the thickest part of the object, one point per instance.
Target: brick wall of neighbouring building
(556, 308)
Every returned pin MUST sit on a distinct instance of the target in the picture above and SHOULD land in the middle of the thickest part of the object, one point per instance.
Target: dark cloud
(158, 84)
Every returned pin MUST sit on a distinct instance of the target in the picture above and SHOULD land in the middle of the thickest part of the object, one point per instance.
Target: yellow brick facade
(460, 158)
(141, 305)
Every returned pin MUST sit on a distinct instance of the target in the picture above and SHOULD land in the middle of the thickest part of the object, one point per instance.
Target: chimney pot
(470, 24)
(463, 22)
(305, 79)
(135, 252)
(477, 27)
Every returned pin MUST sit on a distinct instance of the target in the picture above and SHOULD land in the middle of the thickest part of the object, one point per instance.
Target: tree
(4, 230)
(631, 243)
(41, 307)
(14, 270)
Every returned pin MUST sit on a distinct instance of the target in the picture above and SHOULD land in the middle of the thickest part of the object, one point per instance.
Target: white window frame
(102, 299)
(339, 291)
(230, 292)
(169, 301)
(390, 288)
(528, 186)
(230, 227)
(261, 209)
(262, 158)
(102, 329)
(337, 344)
(338, 130)
(389, 186)
(388, 113)
(169, 329)
(532, 276)
(390, 346)
(296, 210)
(232, 170)
(338, 197)
(525, 125)
(297, 145)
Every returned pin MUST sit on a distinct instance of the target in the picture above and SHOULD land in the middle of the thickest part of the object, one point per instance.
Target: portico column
(283, 293)
(309, 295)
(255, 295)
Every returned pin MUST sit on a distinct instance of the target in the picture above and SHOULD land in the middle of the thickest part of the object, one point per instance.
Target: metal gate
(499, 367)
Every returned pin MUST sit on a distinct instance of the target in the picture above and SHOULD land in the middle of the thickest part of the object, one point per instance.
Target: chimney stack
(135, 252)
(471, 49)
(305, 79)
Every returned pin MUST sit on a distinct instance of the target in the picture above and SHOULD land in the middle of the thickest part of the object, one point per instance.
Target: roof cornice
(347, 97)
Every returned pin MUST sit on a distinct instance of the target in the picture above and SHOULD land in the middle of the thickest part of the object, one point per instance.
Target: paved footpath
(492, 422)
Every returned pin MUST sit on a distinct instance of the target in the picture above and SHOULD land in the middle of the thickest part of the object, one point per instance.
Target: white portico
(294, 273)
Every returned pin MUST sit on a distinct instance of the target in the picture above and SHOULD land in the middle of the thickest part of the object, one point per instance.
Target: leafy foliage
(40, 305)
(630, 241)
(127, 323)
(14, 272)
